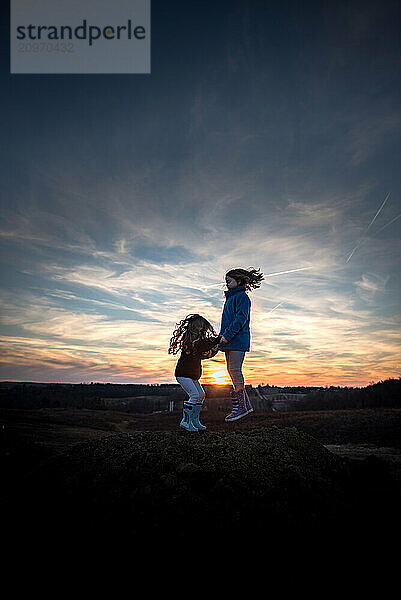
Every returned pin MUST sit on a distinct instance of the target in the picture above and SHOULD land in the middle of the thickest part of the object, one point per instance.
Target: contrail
(268, 313)
(352, 252)
(356, 247)
(387, 224)
(368, 227)
(373, 220)
(206, 287)
(292, 271)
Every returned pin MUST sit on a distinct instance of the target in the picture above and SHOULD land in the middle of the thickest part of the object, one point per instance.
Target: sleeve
(242, 314)
(204, 345)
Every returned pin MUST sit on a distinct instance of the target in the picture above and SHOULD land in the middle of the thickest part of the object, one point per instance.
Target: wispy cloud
(105, 246)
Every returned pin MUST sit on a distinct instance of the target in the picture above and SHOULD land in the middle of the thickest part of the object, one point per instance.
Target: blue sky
(266, 135)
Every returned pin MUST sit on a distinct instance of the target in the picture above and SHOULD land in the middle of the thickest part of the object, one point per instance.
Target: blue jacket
(235, 320)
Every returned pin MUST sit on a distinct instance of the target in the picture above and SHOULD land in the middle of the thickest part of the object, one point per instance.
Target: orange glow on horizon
(215, 374)
(37, 359)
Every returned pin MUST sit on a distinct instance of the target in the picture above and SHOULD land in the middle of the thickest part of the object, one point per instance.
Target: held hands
(213, 351)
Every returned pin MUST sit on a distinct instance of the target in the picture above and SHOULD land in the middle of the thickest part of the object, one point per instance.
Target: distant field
(59, 428)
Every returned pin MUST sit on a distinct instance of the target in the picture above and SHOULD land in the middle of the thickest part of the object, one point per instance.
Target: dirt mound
(253, 484)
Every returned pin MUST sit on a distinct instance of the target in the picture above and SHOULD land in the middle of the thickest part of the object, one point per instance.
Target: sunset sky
(267, 135)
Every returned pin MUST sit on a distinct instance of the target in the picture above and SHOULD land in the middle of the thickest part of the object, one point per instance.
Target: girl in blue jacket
(235, 332)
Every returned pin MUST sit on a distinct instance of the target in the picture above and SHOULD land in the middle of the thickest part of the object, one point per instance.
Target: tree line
(135, 397)
(382, 394)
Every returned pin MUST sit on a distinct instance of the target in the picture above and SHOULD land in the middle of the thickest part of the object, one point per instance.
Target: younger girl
(236, 335)
(197, 340)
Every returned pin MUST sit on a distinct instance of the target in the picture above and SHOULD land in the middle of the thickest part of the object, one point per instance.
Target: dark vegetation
(72, 472)
(152, 398)
(382, 394)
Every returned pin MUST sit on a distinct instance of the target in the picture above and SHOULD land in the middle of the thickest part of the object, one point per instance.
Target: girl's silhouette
(197, 340)
(235, 332)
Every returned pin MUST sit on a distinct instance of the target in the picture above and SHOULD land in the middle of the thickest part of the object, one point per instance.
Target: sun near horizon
(215, 372)
(219, 378)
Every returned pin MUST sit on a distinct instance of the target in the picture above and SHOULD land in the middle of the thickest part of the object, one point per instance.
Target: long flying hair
(249, 278)
(194, 327)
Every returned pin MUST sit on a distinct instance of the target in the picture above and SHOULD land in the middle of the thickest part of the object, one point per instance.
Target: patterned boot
(195, 416)
(188, 413)
(239, 409)
(248, 404)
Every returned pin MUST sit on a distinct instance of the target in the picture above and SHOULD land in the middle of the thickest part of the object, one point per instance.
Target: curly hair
(250, 278)
(194, 327)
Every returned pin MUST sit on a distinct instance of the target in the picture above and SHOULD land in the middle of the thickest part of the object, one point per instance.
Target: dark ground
(269, 478)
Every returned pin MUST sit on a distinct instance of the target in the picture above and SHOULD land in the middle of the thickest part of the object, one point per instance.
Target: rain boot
(188, 413)
(195, 416)
(248, 404)
(239, 409)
